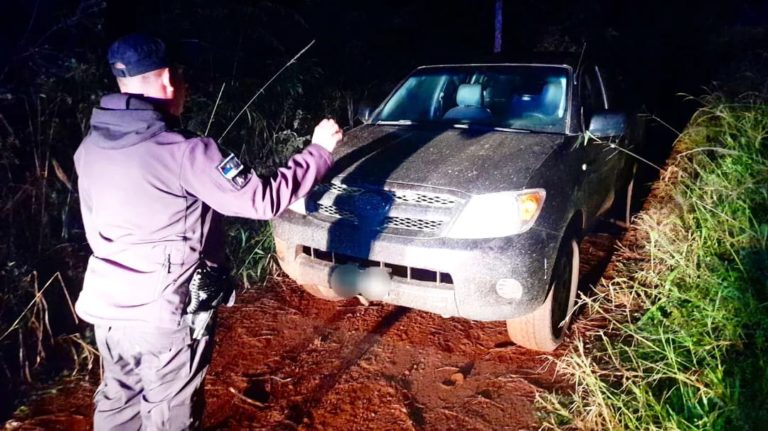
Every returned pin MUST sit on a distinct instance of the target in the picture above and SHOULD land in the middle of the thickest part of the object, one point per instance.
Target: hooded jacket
(151, 200)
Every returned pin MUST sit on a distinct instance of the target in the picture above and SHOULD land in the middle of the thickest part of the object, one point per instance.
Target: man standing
(151, 199)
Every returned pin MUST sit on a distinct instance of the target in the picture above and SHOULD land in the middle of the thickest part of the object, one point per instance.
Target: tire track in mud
(286, 360)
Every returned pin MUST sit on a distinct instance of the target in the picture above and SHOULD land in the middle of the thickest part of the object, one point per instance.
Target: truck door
(601, 160)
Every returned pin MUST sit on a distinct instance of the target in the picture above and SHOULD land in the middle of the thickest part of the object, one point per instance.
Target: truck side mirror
(607, 124)
(365, 112)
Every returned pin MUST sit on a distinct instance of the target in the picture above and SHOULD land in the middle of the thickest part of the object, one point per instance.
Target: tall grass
(681, 338)
(250, 248)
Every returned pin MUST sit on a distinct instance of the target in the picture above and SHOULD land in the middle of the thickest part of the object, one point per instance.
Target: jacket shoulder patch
(234, 172)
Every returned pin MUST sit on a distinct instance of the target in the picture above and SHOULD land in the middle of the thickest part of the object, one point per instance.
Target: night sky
(656, 49)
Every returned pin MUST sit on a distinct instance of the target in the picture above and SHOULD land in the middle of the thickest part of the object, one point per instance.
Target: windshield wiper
(458, 126)
(498, 129)
(513, 129)
(395, 123)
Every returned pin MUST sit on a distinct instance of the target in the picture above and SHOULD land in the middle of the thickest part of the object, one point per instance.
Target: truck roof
(570, 59)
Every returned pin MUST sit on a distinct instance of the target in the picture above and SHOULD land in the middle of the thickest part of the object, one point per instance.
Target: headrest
(552, 98)
(469, 95)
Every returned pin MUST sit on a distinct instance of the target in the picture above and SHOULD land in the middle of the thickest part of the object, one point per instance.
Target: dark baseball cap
(136, 54)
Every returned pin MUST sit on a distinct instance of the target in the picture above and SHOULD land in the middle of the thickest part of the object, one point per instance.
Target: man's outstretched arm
(206, 174)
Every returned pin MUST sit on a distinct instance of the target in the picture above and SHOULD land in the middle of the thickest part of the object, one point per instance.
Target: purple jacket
(151, 199)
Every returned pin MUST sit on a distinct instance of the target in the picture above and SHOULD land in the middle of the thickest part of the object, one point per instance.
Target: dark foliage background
(52, 72)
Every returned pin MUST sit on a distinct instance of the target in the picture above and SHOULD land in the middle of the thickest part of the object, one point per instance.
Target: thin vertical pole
(498, 26)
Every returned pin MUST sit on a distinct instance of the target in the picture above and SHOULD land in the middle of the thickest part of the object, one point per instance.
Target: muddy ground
(286, 360)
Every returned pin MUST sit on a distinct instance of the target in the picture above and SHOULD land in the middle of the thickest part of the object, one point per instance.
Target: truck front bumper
(450, 277)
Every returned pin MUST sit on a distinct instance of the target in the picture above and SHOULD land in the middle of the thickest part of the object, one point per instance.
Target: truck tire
(543, 329)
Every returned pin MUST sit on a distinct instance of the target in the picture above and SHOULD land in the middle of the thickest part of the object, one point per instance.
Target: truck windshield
(515, 97)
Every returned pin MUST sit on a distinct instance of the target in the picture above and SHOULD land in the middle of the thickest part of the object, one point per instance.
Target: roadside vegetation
(678, 339)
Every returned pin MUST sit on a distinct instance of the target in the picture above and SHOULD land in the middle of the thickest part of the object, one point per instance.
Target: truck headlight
(500, 214)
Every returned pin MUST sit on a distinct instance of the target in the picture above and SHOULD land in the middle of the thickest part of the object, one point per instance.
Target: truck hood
(473, 161)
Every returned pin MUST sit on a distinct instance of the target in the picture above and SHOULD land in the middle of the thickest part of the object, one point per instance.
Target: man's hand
(327, 134)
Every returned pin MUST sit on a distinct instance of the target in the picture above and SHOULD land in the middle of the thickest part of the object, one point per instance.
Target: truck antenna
(261, 90)
(581, 57)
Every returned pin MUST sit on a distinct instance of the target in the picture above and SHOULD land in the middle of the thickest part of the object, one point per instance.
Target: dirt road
(286, 360)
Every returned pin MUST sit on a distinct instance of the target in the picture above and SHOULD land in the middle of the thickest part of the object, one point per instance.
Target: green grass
(682, 343)
(251, 247)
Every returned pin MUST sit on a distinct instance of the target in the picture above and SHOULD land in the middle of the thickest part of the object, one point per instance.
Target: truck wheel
(322, 292)
(543, 329)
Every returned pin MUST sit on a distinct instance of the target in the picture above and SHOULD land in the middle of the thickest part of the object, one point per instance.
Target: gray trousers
(152, 378)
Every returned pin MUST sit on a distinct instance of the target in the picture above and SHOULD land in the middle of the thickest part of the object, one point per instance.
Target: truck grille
(420, 213)
(423, 225)
(333, 211)
(429, 199)
(401, 271)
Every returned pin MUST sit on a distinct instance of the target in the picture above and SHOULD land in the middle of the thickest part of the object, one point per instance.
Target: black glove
(209, 288)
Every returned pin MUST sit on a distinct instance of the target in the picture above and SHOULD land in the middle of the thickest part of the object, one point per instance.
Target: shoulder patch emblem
(233, 171)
